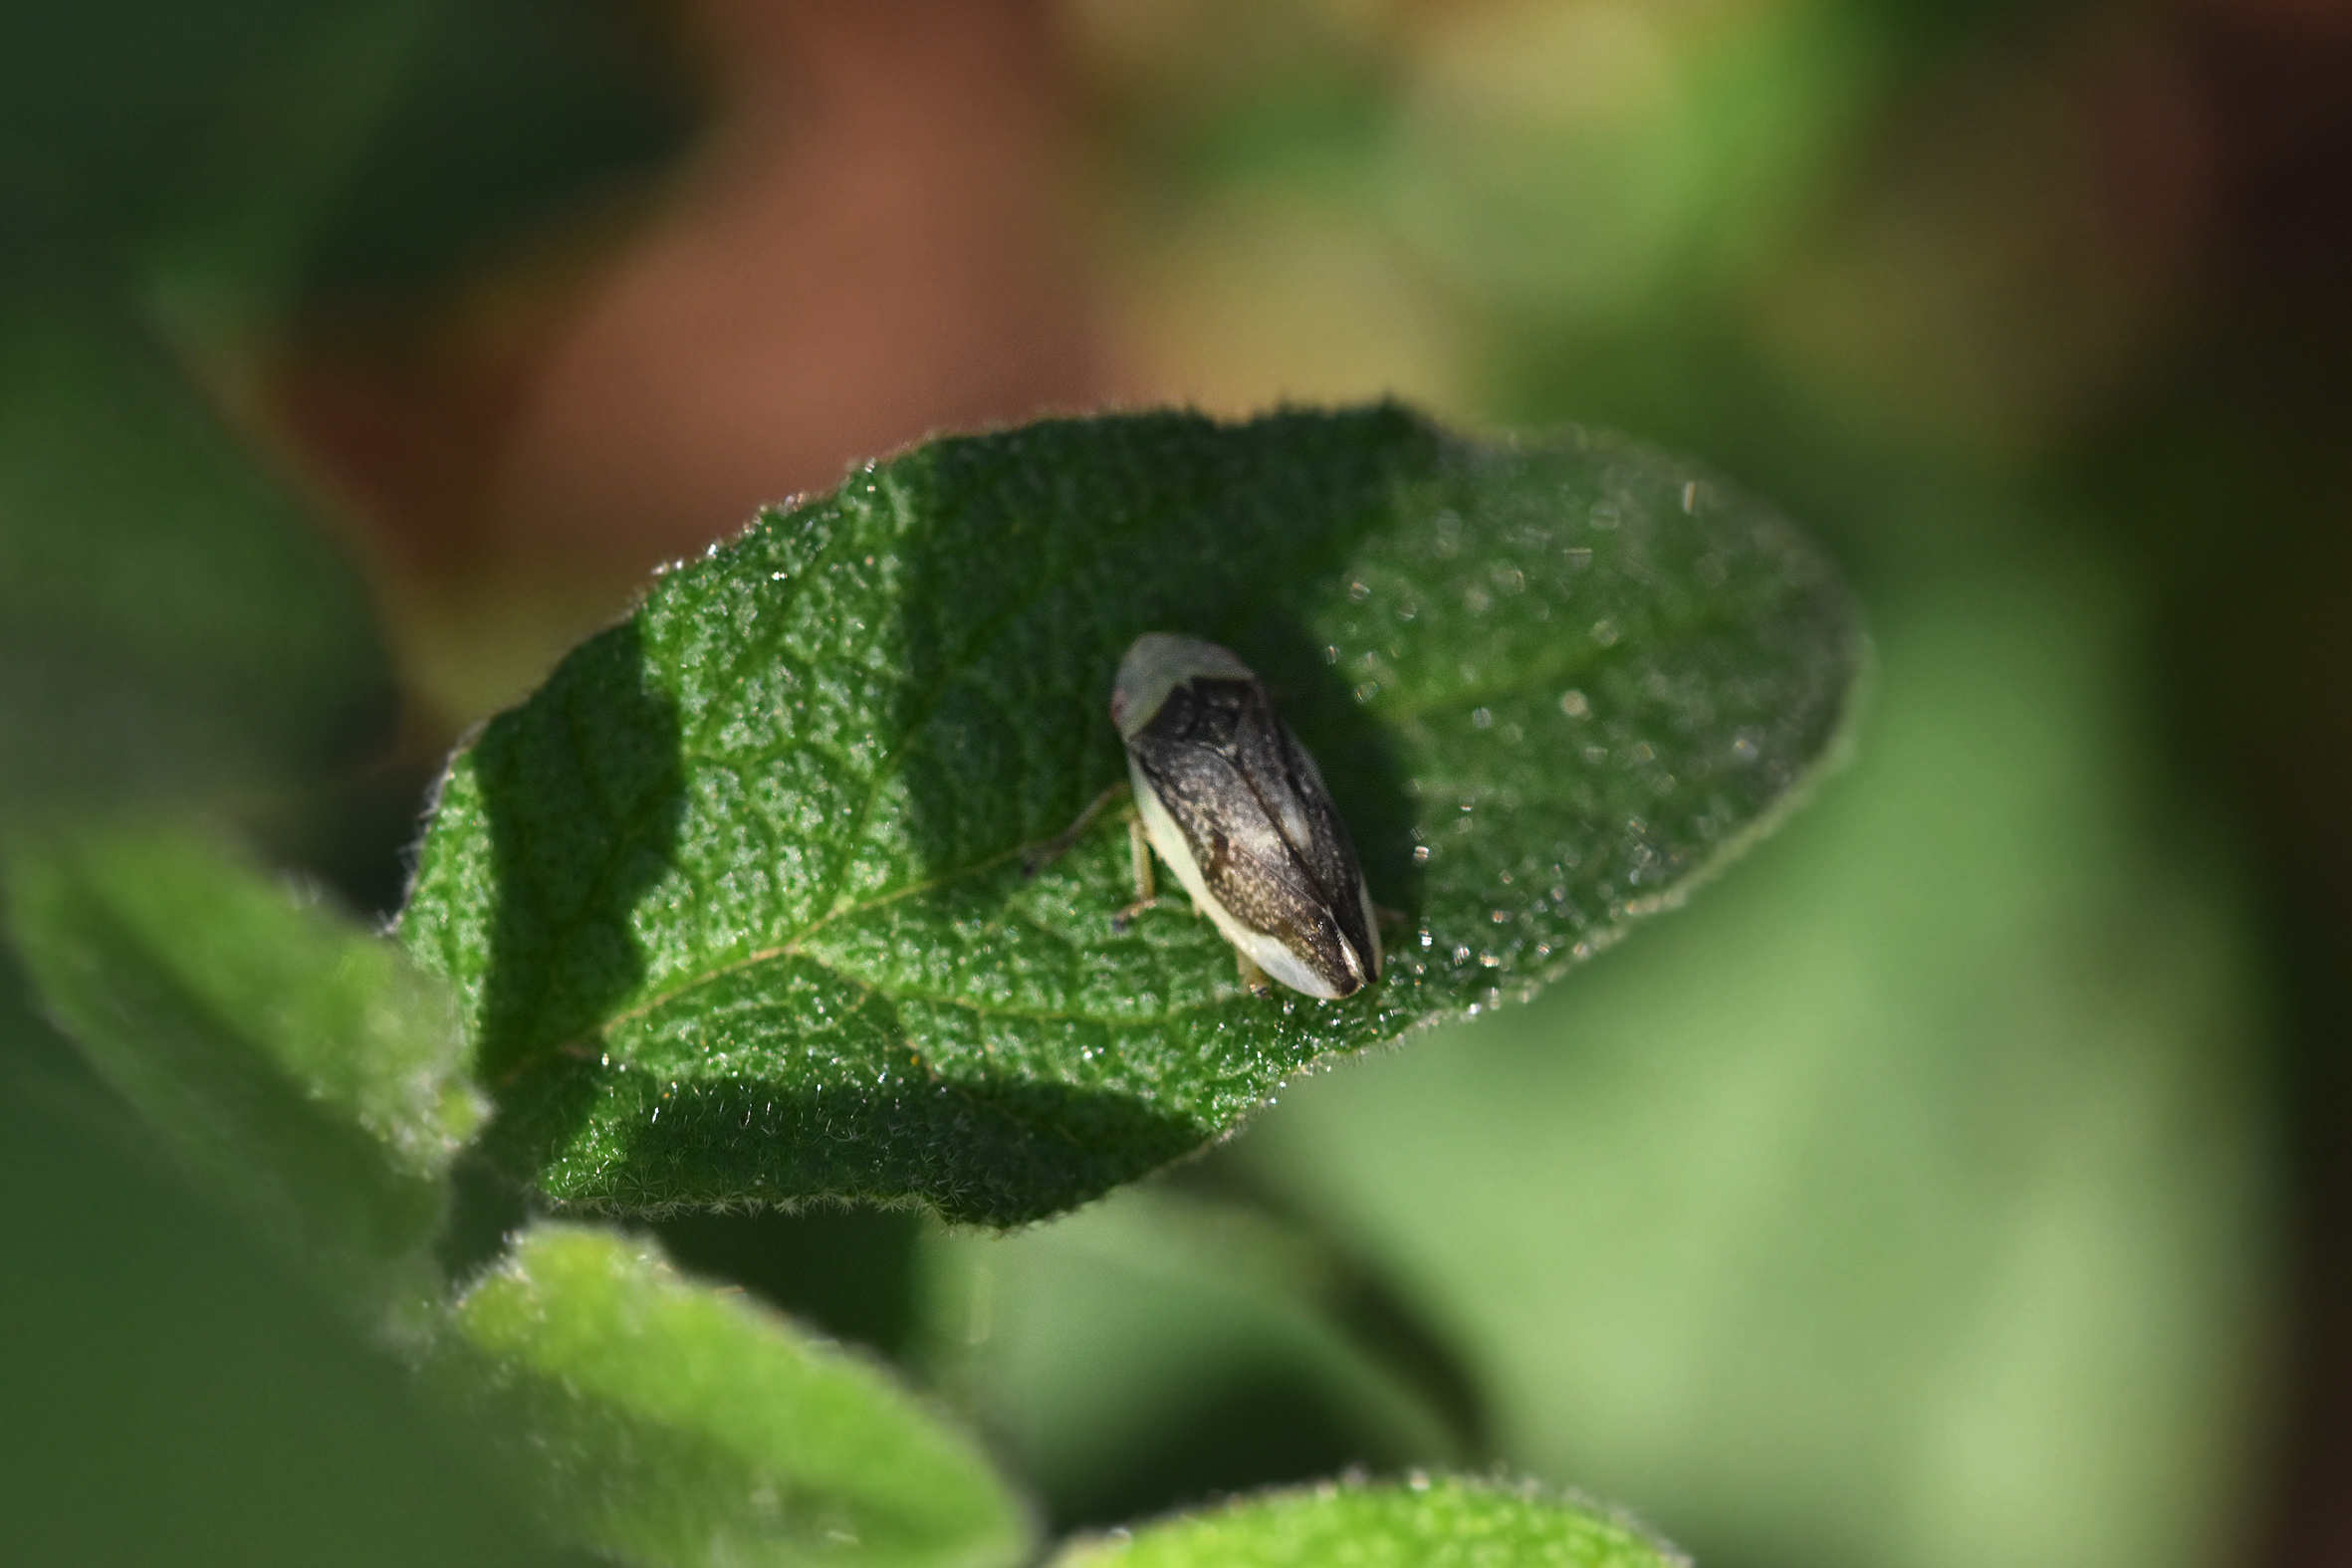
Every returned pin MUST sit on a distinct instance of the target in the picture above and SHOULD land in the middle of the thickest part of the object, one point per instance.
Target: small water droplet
(1474, 600)
(1604, 632)
(1743, 746)
(1490, 959)
(1462, 953)
(1572, 703)
(1330, 653)
(1500, 916)
(1690, 498)
(1579, 556)
(1367, 691)
(1482, 717)
(1359, 591)
(1428, 939)
(1605, 515)
(1421, 854)
(1643, 753)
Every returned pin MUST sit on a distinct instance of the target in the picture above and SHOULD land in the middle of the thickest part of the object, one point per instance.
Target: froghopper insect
(1228, 798)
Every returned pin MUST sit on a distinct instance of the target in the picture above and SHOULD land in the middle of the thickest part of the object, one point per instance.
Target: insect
(1229, 799)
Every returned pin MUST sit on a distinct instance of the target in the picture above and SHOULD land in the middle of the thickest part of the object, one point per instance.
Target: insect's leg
(1254, 978)
(1039, 856)
(1139, 861)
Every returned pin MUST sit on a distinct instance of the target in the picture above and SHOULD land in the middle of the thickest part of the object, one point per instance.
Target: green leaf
(504, 113)
(735, 901)
(301, 1064)
(669, 1422)
(269, 142)
(170, 1393)
(171, 625)
(1425, 1522)
(106, 105)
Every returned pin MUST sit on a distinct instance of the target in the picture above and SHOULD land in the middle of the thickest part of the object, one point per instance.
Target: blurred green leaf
(301, 1064)
(170, 623)
(1428, 1522)
(508, 112)
(1909, 1202)
(106, 105)
(669, 1422)
(1160, 1347)
(170, 1393)
(735, 901)
(409, 141)
(256, 146)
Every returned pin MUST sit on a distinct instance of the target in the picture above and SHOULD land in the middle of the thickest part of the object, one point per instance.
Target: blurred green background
(1964, 1179)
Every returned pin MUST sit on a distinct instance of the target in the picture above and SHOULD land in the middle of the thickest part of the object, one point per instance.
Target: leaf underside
(735, 902)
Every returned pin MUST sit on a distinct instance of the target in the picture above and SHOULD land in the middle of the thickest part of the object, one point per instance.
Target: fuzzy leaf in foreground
(1428, 1522)
(663, 1421)
(736, 901)
(300, 1063)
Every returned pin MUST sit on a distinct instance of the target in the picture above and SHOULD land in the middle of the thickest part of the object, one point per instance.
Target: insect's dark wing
(1260, 825)
(1326, 851)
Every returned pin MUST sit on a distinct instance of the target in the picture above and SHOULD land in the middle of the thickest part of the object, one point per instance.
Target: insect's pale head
(1158, 663)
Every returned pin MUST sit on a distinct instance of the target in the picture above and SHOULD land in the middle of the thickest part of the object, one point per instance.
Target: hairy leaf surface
(663, 1421)
(736, 900)
(300, 1063)
(1426, 1522)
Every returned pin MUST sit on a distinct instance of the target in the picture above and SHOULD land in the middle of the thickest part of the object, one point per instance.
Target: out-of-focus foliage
(665, 1421)
(139, 549)
(172, 1392)
(1169, 1344)
(305, 1067)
